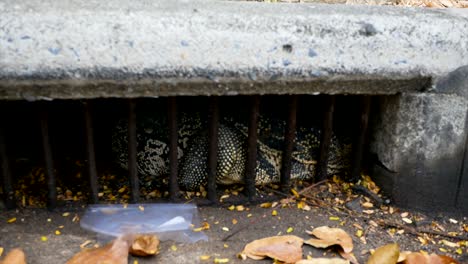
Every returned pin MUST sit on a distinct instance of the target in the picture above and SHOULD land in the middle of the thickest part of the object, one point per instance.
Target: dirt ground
(370, 226)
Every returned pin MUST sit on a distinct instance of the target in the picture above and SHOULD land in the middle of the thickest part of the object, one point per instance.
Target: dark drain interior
(62, 150)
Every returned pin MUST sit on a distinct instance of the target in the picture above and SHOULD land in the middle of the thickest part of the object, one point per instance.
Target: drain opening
(93, 121)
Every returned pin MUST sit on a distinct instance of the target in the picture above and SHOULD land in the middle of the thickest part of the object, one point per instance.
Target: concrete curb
(122, 48)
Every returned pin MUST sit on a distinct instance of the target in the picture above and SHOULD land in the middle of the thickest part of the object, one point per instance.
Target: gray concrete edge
(72, 50)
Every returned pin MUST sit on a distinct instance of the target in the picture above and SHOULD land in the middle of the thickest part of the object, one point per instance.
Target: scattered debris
(357, 206)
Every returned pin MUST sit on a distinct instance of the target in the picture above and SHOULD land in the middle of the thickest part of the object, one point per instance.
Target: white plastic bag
(168, 221)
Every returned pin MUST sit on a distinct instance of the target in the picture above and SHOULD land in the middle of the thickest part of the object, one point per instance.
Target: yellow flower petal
(221, 260)
(359, 233)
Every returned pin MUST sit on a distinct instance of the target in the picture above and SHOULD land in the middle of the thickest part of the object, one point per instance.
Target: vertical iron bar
(289, 137)
(360, 140)
(325, 139)
(132, 152)
(49, 162)
(173, 135)
(8, 192)
(90, 152)
(250, 171)
(213, 148)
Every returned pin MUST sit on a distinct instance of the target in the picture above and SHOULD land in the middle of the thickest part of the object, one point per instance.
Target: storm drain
(216, 49)
(41, 117)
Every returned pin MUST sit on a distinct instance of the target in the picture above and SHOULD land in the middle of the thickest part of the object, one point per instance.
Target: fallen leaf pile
(288, 249)
(338, 199)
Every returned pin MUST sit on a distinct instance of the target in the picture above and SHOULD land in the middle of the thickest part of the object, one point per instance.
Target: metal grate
(213, 127)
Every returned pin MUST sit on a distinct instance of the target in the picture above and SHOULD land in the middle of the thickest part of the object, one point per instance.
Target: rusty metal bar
(250, 171)
(325, 139)
(213, 147)
(132, 152)
(289, 137)
(49, 161)
(173, 135)
(8, 192)
(358, 147)
(90, 152)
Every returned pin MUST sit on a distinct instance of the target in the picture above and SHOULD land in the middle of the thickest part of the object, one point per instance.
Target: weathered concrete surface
(422, 138)
(123, 48)
(462, 191)
(455, 83)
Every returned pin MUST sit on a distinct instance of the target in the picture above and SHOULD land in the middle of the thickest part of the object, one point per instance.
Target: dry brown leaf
(449, 244)
(115, 252)
(204, 226)
(349, 256)
(330, 236)
(15, 256)
(145, 245)
(287, 249)
(419, 258)
(323, 261)
(403, 256)
(387, 254)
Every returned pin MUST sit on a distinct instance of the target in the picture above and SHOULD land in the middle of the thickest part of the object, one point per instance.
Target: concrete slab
(122, 48)
(422, 138)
